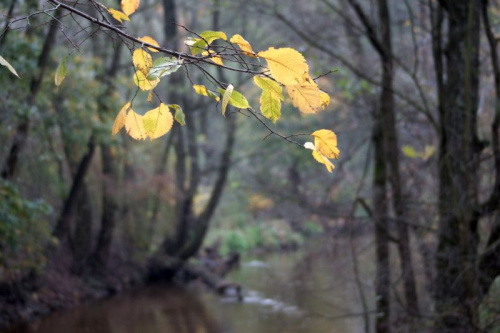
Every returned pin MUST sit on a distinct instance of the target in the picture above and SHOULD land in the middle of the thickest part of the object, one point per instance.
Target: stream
(311, 290)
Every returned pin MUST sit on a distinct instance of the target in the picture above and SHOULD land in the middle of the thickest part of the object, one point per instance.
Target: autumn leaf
(179, 114)
(61, 72)
(142, 61)
(197, 45)
(245, 46)
(130, 6)
(143, 83)
(202, 90)
(325, 99)
(158, 122)
(134, 125)
(306, 97)
(213, 56)
(225, 98)
(320, 158)
(5, 63)
(236, 99)
(120, 119)
(117, 15)
(270, 99)
(150, 40)
(286, 65)
(326, 142)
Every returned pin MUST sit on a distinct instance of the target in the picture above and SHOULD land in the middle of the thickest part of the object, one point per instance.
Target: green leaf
(202, 90)
(179, 114)
(270, 99)
(410, 152)
(61, 72)
(236, 99)
(5, 63)
(163, 66)
(197, 45)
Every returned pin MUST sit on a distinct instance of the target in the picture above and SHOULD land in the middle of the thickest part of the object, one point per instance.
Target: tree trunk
(456, 282)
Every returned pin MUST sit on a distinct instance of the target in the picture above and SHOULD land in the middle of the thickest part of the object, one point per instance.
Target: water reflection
(153, 309)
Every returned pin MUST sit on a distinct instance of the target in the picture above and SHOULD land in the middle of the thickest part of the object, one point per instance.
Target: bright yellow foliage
(325, 99)
(149, 40)
(158, 122)
(286, 65)
(134, 125)
(130, 6)
(243, 44)
(306, 96)
(143, 83)
(213, 56)
(142, 61)
(120, 119)
(326, 142)
(117, 15)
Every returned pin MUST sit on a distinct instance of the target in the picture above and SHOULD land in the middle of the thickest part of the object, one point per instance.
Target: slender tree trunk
(22, 129)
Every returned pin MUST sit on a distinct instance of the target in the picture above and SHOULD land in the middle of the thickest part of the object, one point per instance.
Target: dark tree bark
(22, 130)
(456, 282)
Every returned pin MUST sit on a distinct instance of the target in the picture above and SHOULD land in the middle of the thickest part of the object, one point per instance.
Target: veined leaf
(130, 6)
(225, 97)
(163, 66)
(143, 83)
(236, 99)
(149, 40)
(306, 97)
(325, 99)
(5, 63)
(202, 90)
(286, 65)
(245, 46)
(197, 45)
(326, 142)
(61, 72)
(158, 122)
(179, 114)
(213, 56)
(142, 61)
(134, 125)
(270, 99)
(117, 15)
(120, 119)
(319, 157)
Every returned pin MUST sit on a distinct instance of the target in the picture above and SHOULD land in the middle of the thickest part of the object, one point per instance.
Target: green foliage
(312, 228)
(24, 233)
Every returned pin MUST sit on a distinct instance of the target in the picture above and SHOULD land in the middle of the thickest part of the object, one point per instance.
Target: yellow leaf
(5, 63)
(320, 158)
(202, 90)
(149, 40)
(286, 65)
(245, 46)
(130, 6)
(306, 97)
(225, 98)
(117, 15)
(325, 99)
(158, 122)
(143, 83)
(61, 72)
(142, 61)
(326, 142)
(213, 56)
(134, 125)
(120, 119)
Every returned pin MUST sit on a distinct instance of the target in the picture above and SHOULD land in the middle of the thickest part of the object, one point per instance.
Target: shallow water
(308, 291)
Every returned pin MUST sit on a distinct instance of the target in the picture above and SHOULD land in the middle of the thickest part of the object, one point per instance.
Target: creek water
(311, 290)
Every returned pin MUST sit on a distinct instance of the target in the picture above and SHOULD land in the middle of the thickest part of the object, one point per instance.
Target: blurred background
(402, 236)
